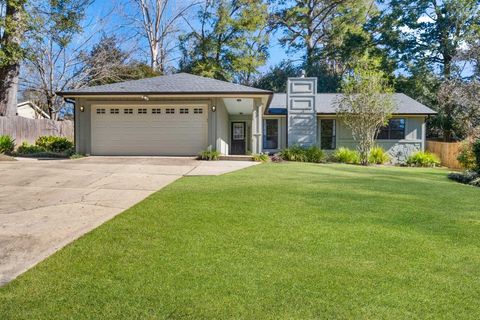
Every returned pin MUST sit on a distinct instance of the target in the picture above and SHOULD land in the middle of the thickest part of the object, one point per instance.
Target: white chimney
(302, 116)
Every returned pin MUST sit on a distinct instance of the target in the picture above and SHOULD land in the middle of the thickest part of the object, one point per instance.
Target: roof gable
(33, 106)
(180, 83)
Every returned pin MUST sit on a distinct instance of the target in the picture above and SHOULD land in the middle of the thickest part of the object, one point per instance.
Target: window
(127, 111)
(238, 131)
(198, 110)
(183, 110)
(114, 111)
(142, 111)
(270, 136)
(327, 134)
(395, 130)
(170, 110)
(156, 110)
(100, 111)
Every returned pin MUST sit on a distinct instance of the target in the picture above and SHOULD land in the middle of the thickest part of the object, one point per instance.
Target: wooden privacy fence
(24, 129)
(446, 151)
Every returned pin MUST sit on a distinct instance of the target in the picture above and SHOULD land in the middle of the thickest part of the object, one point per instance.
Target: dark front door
(238, 138)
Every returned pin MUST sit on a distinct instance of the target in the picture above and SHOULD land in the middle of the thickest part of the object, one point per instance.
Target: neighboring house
(30, 110)
(183, 114)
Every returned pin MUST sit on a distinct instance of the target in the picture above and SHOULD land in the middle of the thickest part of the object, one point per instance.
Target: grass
(287, 240)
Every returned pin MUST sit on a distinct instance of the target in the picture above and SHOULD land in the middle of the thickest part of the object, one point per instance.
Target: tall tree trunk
(10, 62)
(8, 89)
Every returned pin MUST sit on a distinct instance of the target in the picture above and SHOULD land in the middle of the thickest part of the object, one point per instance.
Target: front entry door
(238, 138)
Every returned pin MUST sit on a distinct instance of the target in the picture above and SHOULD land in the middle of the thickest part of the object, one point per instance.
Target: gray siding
(222, 128)
(398, 149)
(83, 127)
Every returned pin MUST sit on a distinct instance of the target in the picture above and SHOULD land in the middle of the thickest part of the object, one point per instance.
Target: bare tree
(156, 22)
(51, 70)
(56, 50)
(366, 105)
(459, 102)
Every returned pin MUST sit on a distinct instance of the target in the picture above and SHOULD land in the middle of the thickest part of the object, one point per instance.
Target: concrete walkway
(44, 205)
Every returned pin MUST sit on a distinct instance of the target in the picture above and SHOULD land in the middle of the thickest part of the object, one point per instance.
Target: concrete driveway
(45, 205)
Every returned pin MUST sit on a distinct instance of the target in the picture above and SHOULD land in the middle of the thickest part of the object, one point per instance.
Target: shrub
(26, 149)
(54, 144)
(378, 156)
(468, 177)
(475, 183)
(345, 155)
(294, 153)
(476, 152)
(77, 156)
(302, 154)
(423, 159)
(464, 177)
(209, 155)
(466, 157)
(261, 157)
(315, 154)
(7, 144)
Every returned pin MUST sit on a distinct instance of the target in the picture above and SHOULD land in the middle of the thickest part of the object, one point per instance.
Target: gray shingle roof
(325, 103)
(183, 83)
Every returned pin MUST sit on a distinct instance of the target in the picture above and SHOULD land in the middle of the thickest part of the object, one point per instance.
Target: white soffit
(238, 106)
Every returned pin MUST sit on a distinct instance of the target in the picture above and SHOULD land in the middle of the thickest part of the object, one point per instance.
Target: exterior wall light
(214, 108)
(82, 109)
(145, 98)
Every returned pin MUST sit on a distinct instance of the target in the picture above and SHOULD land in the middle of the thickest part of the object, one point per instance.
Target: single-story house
(30, 110)
(183, 114)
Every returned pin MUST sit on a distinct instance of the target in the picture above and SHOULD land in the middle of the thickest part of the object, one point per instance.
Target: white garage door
(148, 130)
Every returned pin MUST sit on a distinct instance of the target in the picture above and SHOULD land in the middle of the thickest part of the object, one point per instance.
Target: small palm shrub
(261, 157)
(303, 154)
(294, 153)
(315, 154)
(423, 159)
(209, 155)
(345, 155)
(378, 156)
(54, 144)
(7, 144)
(28, 149)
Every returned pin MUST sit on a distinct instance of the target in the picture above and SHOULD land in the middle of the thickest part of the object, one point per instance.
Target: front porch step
(236, 158)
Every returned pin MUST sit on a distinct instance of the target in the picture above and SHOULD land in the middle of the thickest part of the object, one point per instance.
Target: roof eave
(395, 114)
(149, 93)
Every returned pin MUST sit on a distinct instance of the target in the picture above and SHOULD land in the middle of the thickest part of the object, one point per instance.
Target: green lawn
(294, 241)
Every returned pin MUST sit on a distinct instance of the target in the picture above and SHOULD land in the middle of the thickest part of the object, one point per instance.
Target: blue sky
(116, 24)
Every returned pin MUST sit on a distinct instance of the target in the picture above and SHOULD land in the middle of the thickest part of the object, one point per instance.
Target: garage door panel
(148, 134)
